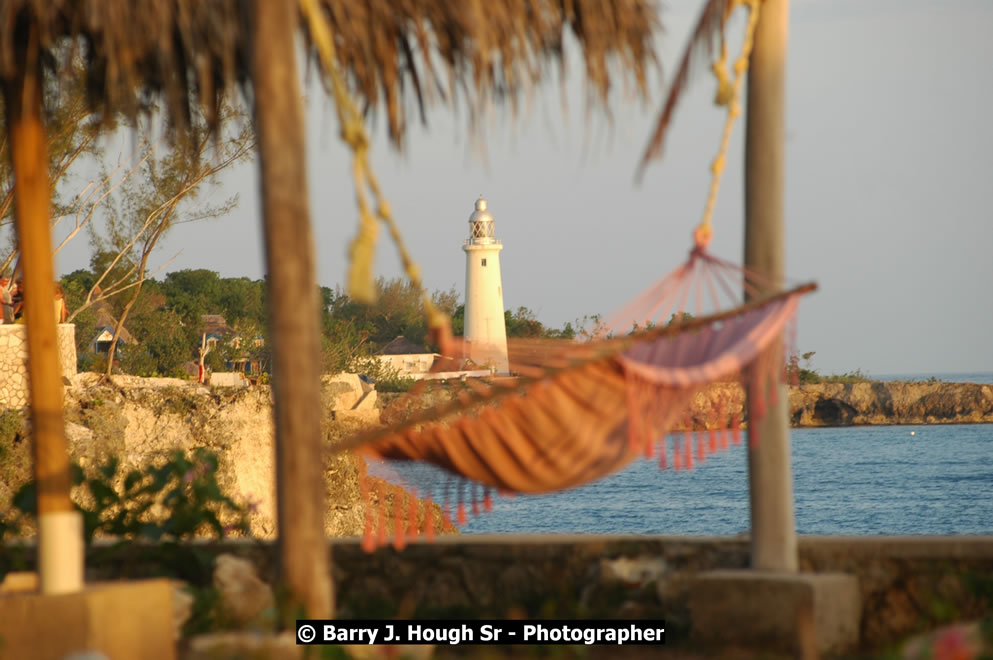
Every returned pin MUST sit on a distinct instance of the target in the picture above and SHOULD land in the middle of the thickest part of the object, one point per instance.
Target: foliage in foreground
(173, 501)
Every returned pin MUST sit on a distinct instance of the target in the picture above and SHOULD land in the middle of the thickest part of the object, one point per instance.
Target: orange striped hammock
(581, 411)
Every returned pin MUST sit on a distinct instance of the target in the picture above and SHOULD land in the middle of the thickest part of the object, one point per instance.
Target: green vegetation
(166, 322)
(807, 375)
(174, 500)
(15, 456)
(848, 377)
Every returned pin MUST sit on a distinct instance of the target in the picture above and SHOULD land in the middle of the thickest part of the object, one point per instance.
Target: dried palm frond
(393, 51)
(709, 26)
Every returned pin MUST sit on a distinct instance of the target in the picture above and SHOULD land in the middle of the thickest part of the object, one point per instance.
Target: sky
(887, 195)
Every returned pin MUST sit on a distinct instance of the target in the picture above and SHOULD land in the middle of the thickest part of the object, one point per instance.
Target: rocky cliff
(837, 404)
(140, 419)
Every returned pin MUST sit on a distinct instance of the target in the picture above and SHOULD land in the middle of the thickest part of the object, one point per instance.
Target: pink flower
(953, 644)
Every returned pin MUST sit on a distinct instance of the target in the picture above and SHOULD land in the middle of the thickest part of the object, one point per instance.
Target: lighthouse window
(484, 262)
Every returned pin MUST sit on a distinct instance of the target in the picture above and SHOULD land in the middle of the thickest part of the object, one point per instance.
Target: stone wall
(14, 357)
(907, 584)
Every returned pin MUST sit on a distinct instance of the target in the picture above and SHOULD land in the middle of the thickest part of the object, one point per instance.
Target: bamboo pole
(293, 306)
(769, 468)
(60, 543)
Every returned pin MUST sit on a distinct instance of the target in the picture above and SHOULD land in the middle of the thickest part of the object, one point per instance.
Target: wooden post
(769, 464)
(60, 545)
(293, 307)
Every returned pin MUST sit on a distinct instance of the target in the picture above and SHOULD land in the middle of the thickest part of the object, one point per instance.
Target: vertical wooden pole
(293, 307)
(60, 547)
(770, 472)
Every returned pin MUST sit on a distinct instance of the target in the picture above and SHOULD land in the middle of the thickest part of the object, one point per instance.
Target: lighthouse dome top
(481, 225)
(481, 214)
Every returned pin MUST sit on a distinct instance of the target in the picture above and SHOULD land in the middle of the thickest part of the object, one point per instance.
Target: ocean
(935, 479)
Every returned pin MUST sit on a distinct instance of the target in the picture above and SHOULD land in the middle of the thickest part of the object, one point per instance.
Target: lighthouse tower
(485, 328)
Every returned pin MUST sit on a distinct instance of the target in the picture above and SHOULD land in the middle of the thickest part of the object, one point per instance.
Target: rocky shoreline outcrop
(883, 403)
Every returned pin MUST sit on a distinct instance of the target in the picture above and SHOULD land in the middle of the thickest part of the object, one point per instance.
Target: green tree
(75, 286)
(523, 323)
(567, 332)
(168, 192)
(193, 293)
(458, 321)
(397, 311)
(164, 344)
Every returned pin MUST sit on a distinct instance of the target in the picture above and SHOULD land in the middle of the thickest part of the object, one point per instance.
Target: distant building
(218, 333)
(105, 325)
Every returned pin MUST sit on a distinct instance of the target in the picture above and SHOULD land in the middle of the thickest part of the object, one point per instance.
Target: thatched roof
(214, 324)
(398, 54)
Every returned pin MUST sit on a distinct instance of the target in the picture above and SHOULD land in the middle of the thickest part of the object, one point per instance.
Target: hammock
(581, 411)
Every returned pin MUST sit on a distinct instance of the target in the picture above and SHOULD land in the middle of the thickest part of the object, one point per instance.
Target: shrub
(176, 500)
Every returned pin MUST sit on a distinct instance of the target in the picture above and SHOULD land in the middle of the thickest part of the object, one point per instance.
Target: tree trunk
(293, 305)
(770, 472)
(60, 547)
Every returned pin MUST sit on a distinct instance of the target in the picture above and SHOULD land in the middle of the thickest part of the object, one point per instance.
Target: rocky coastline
(890, 402)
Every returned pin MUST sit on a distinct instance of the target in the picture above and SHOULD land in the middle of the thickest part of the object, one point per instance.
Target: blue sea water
(935, 479)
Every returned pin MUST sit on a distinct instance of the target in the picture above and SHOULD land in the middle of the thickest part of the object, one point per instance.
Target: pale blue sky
(889, 146)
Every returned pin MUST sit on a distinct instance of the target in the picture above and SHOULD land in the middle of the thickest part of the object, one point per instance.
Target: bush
(384, 375)
(15, 454)
(847, 378)
(176, 500)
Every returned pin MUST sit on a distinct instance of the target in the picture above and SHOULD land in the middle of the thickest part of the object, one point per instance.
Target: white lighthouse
(485, 327)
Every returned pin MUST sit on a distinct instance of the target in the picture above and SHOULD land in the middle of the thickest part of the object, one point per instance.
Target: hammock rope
(729, 95)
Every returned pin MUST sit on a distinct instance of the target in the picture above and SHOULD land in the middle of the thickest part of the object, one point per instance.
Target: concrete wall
(228, 379)
(14, 358)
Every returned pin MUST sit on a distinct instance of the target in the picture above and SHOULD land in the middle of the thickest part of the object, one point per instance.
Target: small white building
(485, 325)
(406, 357)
